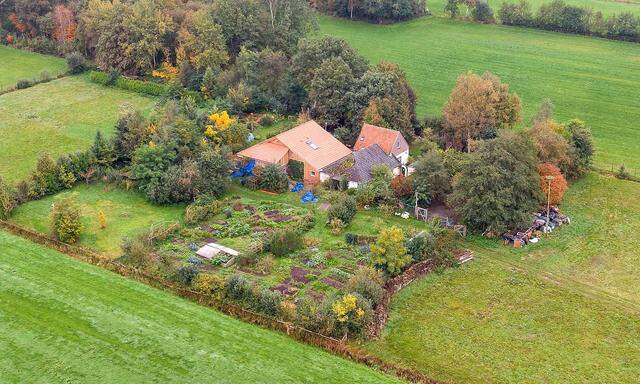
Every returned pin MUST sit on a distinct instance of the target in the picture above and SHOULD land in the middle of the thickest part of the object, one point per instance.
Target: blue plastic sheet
(247, 170)
(309, 197)
(298, 187)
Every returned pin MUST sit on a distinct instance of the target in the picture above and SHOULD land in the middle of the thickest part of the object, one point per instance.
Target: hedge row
(139, 86)
(561, 17)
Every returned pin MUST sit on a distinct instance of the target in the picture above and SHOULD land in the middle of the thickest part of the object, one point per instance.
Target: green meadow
(57, 117)
(64, 321)
(595, 80)
(17, 65)
(563, 310)
(127, 213)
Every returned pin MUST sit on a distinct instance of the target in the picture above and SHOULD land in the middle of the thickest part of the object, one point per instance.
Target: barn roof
(357, 166)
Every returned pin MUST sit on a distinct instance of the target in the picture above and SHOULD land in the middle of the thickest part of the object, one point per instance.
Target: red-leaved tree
(558, 184)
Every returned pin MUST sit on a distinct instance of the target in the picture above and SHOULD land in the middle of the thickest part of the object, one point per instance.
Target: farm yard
(23, 65)
(58, 117)
(591, 79)
(66, 321)
(275, 175)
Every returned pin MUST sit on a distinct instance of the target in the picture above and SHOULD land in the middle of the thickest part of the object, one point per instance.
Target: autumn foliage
(558, 184)
(64, 24)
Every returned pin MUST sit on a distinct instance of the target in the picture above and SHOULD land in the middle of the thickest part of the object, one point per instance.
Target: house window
(312, 173)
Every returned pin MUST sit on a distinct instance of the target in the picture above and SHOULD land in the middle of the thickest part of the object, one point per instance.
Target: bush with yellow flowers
(220, 122)
(352, 313)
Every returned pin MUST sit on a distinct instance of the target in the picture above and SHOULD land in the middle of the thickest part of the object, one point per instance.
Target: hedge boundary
(139, 86)
(334, 346)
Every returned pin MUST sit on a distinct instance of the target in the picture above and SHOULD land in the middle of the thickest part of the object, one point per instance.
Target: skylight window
(312, 144)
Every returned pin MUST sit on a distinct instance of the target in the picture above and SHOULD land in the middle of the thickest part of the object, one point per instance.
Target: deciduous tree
(500, 186)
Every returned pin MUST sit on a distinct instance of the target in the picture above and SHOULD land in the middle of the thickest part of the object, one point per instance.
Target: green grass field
(607, 7)
(127, 213)
(64, 321)
(18, 65)
(489, 323)
(592, 79)
(56, 117)
(564, 310)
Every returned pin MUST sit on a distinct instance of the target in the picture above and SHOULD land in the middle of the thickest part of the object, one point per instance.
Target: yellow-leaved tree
(389, 252)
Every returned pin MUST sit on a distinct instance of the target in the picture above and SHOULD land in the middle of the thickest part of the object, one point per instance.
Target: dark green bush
(238, 288)
(76, 63)
(268, 302)
(284, 242)
(274, 179)
(344, 209)
(139, 86)
(22, 84)
(186, 274)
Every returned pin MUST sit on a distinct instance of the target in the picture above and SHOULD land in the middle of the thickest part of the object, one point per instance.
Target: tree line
(554, 16)
(380, 11)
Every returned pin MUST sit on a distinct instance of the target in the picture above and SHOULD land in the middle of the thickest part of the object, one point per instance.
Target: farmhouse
(392, 142)
(356, 167)
(326, 158)
(308, 143)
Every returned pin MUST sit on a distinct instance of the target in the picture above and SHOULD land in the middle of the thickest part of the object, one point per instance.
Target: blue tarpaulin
(309, 197)
(298, 187)
(247, 170)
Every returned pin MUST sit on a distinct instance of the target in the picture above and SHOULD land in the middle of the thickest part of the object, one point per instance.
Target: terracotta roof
(389, 140)
(313, 144)
(357, 166)
(269, 151)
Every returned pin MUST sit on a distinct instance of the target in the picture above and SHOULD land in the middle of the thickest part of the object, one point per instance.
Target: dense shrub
(516, 14)
(284, 242)
(238, 288)
(368, 282)
(201, 210)
(139, 86)
(483, 13)
(343, 209)
(352, 313)
(22, 84)
(65, 221)
(208, 283)
(268, 302)
(274, 179)
(76, 63)
(186, 274)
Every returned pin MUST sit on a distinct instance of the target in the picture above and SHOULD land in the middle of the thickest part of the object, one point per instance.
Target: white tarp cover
(212, 249)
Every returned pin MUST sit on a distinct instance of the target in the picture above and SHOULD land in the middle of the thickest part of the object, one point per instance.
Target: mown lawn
(127, 213)
(564, 310)
(57, 118)
(600, 248)
(23, 65)
(592, 79)
(489, 323)
(65, 321)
